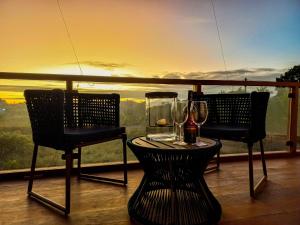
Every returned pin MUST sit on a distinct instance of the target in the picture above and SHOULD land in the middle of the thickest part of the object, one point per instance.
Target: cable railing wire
(69, 38)
(219, 37)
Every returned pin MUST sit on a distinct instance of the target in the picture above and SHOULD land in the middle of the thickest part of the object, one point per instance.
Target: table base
(174, 207)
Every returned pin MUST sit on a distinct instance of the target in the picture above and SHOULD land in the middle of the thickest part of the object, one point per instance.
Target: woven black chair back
(233, 109)
(259, 106)
(51, 111)
(246, 110)
(92, 110)
(46, 113)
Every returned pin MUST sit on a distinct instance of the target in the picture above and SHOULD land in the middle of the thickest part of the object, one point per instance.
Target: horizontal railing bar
(139, 80)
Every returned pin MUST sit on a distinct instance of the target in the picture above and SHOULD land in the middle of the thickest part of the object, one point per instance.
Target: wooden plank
(157, 144)
(142, 141)
(95, 203)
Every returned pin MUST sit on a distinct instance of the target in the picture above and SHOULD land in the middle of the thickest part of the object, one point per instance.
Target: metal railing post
(293, 118)
(197, 88)
(69, 85)
(69, 101)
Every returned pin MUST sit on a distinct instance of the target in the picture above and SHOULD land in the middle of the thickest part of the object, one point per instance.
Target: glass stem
(176, 132)
(198, 139)
(180, 134)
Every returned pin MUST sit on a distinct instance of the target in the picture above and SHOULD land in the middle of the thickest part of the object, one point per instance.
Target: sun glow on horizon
(12, 97)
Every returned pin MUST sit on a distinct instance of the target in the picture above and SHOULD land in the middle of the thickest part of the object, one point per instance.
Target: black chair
(238, 117)
(66, 121)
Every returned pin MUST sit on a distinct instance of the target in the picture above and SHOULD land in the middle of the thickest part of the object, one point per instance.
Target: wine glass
(180, 115)
(199, 114)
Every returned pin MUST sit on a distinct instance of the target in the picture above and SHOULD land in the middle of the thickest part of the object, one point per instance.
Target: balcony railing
(197, 85)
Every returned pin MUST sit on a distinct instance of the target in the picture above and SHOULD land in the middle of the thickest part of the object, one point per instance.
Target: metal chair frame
(246, 110)
(51, 112)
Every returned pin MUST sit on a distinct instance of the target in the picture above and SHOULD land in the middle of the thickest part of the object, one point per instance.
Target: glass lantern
(160, 125)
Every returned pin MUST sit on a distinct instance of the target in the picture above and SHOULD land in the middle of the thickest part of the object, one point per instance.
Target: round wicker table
(173, 190)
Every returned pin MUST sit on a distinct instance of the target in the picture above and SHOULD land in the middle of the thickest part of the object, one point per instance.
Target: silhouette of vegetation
(292, 74)
(262, 89)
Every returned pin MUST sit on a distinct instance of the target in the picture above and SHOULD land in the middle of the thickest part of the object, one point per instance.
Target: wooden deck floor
(96, 203)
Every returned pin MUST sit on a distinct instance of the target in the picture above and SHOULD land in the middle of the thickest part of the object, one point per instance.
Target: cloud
(100, 64)
(262, 74)
(173, 76)
(266, 69)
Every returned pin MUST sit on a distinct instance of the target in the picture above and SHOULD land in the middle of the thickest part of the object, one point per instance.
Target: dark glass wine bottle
(190, 128)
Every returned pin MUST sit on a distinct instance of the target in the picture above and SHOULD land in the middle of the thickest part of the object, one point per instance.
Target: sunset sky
(162, 38)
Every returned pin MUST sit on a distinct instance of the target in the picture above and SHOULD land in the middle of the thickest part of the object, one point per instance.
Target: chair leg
(33, 163)
(216, 163)
(218, 159)
(68, 181)
(110, 180)
(262, 152)
(258, 186)
(250, 160)
(124, 139)
(79, 163)
(45, 201)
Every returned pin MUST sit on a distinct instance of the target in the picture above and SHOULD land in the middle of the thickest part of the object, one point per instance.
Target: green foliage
(292, 74)
(15, 116)
(15, 150)
(3, 109)
(277, 115)
(262, 89)
(132, 113)
(237, 91)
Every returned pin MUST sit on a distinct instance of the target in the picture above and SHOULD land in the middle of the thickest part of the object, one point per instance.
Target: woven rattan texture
(173, 190)
(46, 115)
(91, 110)
(51, 111)
(246, 110)
(233, 109)
(211, 106)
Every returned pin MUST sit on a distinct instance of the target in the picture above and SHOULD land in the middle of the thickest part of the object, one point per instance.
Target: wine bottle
(190, 128)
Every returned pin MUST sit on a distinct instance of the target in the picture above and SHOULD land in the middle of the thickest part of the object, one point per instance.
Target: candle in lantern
(161, 122)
